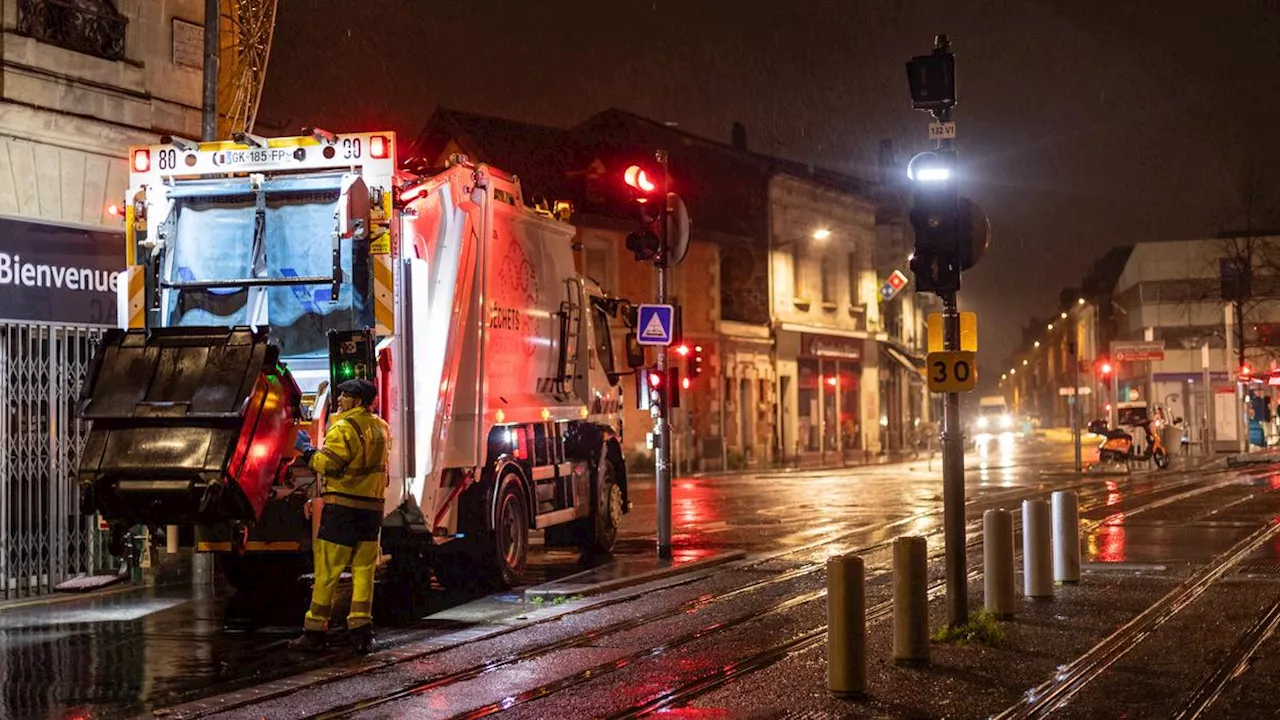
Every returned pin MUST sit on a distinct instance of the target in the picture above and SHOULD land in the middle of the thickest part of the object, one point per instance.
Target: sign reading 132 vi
(952, 371)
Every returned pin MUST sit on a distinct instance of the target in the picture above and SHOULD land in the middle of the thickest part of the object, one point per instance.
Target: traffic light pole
(953, 480)
(662, 421)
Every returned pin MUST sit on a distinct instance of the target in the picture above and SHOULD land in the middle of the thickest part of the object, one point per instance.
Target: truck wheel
(606, 514)
(268, 582)
(496, 560)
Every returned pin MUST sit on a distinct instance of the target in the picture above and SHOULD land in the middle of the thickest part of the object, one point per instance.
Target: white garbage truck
(263, 272)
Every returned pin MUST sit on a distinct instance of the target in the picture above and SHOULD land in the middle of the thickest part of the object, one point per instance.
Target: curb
(66, 597)
(565, 587)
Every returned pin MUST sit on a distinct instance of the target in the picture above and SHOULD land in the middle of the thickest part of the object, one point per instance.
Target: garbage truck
(264, 272)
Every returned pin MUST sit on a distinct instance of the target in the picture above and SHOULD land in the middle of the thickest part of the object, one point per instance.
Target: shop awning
(912, 364)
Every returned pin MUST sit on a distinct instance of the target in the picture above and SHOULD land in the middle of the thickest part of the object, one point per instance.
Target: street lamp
(821, 234)
(1064, 316)
(1080, 301)
(1051, 327)
(1037, 343)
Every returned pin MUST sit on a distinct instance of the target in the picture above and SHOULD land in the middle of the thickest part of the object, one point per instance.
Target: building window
(828, 281)
(597, 266)
(852, 259)
(93, 27)
(796, 284)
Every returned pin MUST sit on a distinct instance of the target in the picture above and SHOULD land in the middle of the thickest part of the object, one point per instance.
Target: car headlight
(1006, 422)
(983, 422)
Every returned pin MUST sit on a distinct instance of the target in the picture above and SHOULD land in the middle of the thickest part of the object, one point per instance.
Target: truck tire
(606, 512)
(269, 584)
(495, 560)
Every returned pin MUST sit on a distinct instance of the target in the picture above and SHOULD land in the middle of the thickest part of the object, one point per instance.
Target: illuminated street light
(1013, 371)
(1004, 376)
(1064, 316)
(1080, 301)
(1024, 363)
(821, 234)
(1050, 326)
(1037, 343)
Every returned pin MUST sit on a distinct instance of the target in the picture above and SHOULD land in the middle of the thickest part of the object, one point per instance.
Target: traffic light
(952, 233)
(648, 188)
(696, 362)
(655, 389)
(1105, 369)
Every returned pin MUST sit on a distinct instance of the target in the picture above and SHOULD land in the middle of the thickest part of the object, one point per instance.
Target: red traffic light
(682, 349)
(1245, 370)
(1105, 368)
(655, 379)
(636, 177)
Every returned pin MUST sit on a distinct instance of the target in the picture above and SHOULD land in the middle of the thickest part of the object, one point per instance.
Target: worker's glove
(304, 447)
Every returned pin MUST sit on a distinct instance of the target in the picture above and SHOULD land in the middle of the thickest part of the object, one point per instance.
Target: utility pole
(662, 423)
(1076, 408)
(209, 117)
(201, 562)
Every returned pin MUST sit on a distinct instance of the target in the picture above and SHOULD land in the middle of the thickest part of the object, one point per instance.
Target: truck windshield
(220, 237)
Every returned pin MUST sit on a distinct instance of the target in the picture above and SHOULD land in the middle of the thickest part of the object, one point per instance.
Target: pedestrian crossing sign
(654, 323)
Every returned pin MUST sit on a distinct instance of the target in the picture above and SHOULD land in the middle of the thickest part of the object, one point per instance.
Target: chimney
(739, 136)
(887, 162)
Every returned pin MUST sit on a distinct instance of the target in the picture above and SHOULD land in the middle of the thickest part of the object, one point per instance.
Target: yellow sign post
(968, 332)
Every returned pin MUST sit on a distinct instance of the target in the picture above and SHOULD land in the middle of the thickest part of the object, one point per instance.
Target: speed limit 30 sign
(955, 371)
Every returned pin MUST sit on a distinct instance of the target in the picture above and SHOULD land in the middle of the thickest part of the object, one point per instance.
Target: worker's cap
(361, 389)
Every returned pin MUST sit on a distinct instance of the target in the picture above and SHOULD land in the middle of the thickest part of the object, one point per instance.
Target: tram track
(1231, 666)
(683, 694)
(878, 572)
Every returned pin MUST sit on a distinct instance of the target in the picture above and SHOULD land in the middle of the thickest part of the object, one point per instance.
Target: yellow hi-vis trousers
(330, 560)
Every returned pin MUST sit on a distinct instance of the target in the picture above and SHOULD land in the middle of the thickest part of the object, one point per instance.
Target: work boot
(362, 639)
(311, 641)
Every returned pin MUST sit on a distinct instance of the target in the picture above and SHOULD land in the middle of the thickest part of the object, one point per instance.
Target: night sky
(1082, 124)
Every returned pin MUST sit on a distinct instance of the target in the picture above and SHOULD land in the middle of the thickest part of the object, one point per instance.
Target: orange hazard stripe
(137, 296)
(384, 295)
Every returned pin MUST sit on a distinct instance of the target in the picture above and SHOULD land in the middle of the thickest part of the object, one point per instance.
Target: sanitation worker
(352, 471)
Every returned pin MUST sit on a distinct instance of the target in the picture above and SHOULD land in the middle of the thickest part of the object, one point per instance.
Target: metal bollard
(997, 562)
(1066, 537)
(1037, 556)
(846, 627)
(910, 600)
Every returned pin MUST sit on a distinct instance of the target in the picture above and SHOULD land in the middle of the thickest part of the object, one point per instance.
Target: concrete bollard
(910, 600)
(171, 539)
(846, 627)
(1037, 556)
(1066, 537)
(997, 562)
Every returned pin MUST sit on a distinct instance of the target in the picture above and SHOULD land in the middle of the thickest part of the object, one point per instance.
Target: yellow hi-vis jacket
(353, 461)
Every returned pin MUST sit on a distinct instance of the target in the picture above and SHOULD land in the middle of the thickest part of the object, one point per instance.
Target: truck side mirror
(635, 352)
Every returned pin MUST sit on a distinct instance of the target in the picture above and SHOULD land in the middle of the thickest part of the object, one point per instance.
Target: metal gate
(43, 538)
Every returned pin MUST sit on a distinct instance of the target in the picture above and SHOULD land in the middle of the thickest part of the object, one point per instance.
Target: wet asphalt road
(130, 653)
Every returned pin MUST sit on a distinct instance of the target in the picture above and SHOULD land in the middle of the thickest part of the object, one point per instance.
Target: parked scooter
(1117, 445)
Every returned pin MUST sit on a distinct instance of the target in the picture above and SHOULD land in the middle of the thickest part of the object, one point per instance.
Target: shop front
(830, 420)
(57, 296)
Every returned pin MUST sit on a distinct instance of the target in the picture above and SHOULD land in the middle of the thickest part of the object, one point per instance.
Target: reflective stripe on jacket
(353, 461)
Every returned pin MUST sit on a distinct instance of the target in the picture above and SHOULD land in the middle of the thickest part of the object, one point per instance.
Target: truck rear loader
(262, 273)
